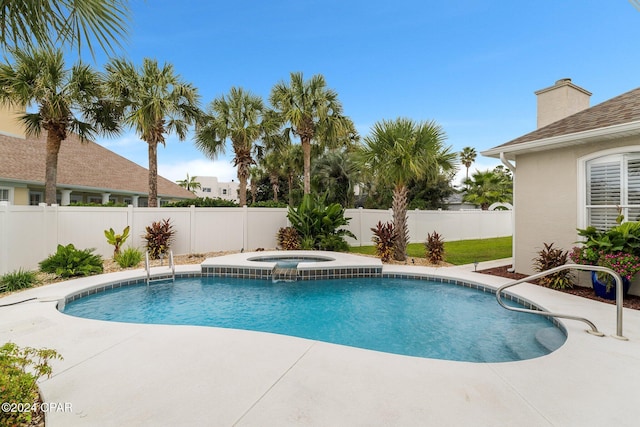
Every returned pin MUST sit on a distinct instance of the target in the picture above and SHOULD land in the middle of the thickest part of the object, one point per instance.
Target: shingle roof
(79, 165)
(622, 109)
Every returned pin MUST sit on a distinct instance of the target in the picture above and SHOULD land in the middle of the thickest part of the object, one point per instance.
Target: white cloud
(222, 169)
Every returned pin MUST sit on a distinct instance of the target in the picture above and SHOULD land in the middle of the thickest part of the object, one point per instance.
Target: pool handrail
(593, 330)
(147, 267)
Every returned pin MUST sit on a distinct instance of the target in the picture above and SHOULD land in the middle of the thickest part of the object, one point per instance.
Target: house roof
(87, 166)
(616, 117)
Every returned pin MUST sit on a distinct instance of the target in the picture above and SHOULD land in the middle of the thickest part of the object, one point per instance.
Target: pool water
(403, 316)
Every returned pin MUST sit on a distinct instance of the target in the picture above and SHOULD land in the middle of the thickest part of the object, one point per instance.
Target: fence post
(192, 229)
(4, 240)
(245, 228)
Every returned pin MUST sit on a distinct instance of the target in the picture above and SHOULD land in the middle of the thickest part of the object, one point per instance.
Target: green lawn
(460, 252)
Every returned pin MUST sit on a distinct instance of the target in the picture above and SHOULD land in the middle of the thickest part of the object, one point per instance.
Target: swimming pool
(402, 316)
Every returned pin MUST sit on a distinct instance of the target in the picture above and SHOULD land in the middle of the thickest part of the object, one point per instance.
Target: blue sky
(470, 65)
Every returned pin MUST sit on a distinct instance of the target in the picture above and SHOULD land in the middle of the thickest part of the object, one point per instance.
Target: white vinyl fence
(29, 234)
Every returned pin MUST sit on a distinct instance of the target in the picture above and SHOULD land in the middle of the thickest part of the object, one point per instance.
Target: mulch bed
(630, 301)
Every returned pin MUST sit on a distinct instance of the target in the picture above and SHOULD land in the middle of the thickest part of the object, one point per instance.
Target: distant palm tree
(254, 176)
(156, 102)
(271, 163)
(238, 117)
(190, 183)
(67, 101)
(312, 112)
(399, 150)
(467, 157)
(335, 174)
(488, 187)
(48, 23)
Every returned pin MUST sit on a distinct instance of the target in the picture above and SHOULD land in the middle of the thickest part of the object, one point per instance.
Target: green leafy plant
(434, 248)
(18, 279)
(288, 239)
(203, 202)
(384, 237)
(117, 240)
(319, 225)
(69, 262)
(130, 257)
(620, 238)
(159, 237)
(550, 257)
(20, 369)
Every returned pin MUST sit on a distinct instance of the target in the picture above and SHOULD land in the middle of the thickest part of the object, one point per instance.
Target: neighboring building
(87, 172)
(210, 187)
(455, 203)
(575, 170)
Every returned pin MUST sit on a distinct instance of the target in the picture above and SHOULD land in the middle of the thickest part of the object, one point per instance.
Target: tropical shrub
(434, 248)
(319, 224)
(288, 239)
(203, 202)
(69, 262)
(269, 204)
(159, 237)
(384, 237)
(117, 240)
(18, 279)
(550, 257)
(20, 369)
(130, 257)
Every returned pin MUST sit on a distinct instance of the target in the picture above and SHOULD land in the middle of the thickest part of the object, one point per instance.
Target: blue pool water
(402, 316)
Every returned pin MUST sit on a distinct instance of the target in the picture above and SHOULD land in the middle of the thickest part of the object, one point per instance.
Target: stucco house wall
(549, 196)
(550, 167)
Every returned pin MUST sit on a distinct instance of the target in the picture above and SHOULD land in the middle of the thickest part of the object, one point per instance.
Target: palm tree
(190, 183)
(156, 102)
(467, 157)
(47, 23)
(488, 187)
(313, 113)
(335, 173)
(67, 101)
(271, 164)
(238, 117)
(399, 150)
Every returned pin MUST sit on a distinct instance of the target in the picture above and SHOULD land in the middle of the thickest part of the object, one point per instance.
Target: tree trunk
(243, 176)
(399, 208)
(306, 156)
(153, 174)
(51, 167)
(275, 187)
(290, 184)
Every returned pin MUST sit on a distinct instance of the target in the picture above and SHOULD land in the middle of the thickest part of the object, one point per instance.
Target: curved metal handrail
(594, 330)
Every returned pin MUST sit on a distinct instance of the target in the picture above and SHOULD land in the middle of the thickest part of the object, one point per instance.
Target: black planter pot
(601, 288)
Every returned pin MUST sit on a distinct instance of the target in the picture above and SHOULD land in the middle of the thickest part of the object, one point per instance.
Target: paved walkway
(117, 374)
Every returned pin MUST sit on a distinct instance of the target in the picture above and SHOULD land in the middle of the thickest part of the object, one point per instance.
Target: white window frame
(9, 194)
(630, 150)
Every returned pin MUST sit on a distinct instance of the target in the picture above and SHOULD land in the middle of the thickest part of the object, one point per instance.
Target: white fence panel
(263, 225)
(219, 229)
(84, 226)
(28, 234)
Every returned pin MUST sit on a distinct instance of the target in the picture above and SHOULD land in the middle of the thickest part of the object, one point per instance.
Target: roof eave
(554, 142)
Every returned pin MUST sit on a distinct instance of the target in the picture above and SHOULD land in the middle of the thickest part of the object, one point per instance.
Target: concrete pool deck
(116, 374)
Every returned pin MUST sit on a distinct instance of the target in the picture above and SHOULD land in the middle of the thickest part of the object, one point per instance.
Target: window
(224, 191)
(4, 195)
(35, 198)
(612, 187)
(206, 189)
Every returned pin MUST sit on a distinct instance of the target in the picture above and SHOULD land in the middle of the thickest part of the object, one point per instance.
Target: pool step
(550, 338)
(284, 273)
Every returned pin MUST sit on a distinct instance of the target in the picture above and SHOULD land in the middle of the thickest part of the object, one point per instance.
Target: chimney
(560, 100)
